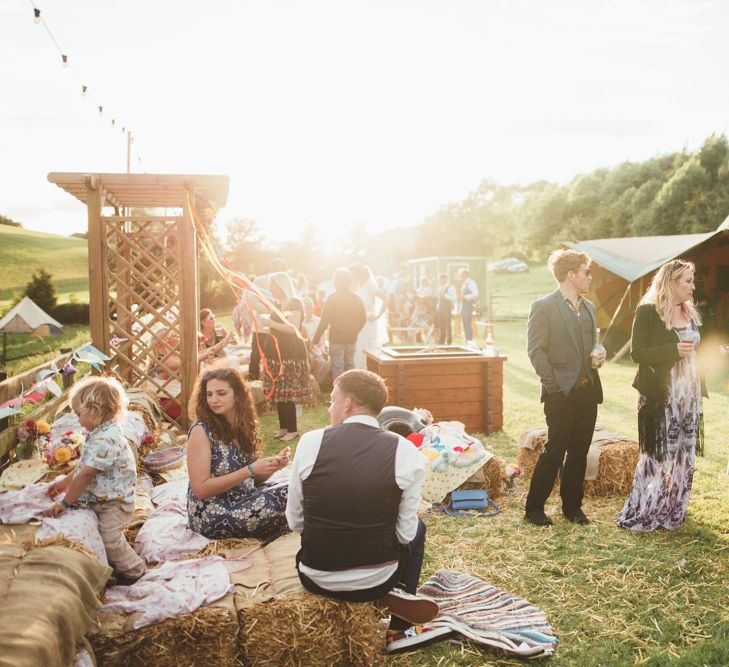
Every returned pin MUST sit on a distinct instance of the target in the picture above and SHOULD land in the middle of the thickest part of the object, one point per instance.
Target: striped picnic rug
(487, 615)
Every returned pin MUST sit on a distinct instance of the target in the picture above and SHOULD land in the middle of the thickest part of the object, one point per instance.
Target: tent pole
(5, 347)
(617, 310)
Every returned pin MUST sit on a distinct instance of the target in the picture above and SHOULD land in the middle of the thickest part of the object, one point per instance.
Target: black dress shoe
(577, 516)
(537, 518)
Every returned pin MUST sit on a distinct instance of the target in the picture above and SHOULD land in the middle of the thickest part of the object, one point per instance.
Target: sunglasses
(587, 272)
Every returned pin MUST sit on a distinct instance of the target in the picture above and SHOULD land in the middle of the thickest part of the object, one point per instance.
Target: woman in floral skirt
(229, 493)
(670, 421)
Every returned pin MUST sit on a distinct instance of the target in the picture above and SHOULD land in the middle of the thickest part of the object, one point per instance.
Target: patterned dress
(246, 510)
(288, 352)
(661, 488)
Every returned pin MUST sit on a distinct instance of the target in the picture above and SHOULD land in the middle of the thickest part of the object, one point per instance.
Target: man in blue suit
(560, 339)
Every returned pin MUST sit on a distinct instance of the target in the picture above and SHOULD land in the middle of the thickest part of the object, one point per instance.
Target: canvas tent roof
(634, 257)
(26, 317)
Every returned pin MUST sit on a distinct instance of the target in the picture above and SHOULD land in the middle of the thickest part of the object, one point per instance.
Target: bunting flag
(86, 353)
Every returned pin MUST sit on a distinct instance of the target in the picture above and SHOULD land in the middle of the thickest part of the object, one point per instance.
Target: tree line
(676, 193)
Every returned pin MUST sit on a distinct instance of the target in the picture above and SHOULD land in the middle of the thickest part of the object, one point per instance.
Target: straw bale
(306, 629)
(282, 624)
(526, 458)
(207, 636)
(491, 476)
(615, 470)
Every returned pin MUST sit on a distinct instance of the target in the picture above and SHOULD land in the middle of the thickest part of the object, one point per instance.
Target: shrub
(71, 313)
(41, 291)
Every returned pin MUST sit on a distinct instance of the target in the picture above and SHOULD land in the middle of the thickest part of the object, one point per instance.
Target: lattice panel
(143, 271)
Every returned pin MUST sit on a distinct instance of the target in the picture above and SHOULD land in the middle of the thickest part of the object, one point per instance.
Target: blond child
(106, 472)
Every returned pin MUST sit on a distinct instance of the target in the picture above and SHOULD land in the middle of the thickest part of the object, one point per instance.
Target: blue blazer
(553, 347)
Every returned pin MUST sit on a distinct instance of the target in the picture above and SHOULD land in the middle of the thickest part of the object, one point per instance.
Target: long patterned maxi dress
(661, 488)
(246, 510)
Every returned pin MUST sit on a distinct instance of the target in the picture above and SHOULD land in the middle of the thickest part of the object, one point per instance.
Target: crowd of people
(353, 489)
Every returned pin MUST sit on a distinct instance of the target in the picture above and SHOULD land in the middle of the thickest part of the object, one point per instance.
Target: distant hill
(23, 251)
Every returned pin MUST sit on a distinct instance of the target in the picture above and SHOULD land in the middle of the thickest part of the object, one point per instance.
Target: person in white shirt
(469, 298)
(353, 495)
(444, 308)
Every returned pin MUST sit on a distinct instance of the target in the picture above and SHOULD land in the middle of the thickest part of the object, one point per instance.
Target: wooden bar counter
(455, 383)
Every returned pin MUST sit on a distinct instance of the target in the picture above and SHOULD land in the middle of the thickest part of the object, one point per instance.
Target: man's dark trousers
(406, 577)
(570, 425)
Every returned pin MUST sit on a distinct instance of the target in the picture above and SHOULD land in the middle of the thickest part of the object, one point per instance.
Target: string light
(66, 64)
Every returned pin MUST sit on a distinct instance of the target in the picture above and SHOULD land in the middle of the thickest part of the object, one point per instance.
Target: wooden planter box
(458, 384)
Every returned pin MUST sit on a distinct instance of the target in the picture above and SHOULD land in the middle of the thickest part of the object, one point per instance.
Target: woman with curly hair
(229, 493)
(670, 421)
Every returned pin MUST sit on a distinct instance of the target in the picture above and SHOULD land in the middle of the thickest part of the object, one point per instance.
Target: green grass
(40, 350)
(23, 251)
(613, 597)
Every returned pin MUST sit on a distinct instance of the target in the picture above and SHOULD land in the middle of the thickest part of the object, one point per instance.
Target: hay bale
(306, 629)
(615, 470)
(207, 636)
(491, 476)
(282, 624)
(526, 457)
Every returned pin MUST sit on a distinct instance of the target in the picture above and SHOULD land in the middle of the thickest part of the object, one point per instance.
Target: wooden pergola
(143, 275)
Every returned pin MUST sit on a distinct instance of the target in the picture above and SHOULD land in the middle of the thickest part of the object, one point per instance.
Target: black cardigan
(655, 349)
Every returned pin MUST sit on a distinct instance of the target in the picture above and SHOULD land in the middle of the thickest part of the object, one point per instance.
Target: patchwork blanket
(453, 455)
(489, 615)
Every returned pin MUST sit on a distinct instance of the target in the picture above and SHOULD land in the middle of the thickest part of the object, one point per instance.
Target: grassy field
(512, 293)
(613, 597)
(23, 251)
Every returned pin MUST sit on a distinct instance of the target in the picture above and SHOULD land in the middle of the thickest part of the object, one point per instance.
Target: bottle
(489, 349)
(597, 351)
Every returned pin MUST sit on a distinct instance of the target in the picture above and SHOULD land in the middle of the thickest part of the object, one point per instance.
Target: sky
(338, 113)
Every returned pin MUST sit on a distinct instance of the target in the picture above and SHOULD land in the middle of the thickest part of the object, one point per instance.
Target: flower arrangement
(32, 438)
(64, 450)
(512, 471)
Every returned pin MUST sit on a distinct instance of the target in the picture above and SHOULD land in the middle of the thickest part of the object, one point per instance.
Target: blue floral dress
(246, 510)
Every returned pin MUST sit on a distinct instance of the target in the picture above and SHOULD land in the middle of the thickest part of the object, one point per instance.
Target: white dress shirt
(410, 468)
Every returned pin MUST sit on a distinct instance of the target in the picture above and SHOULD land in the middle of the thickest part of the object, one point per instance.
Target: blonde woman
(664, 340)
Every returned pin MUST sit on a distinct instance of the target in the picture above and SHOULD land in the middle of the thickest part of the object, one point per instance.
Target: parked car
(508, 265)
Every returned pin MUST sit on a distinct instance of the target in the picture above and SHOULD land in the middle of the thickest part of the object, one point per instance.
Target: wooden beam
(189, 308)
(11, 387)
(98, 292)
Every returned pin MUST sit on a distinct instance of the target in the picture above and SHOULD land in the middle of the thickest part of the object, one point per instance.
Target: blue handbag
(471, 499)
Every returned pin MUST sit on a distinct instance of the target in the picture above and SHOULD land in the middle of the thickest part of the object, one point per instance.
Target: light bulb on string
(84, 90)
(101, 110)
(36, 17)
(64, 59)
(113, 123)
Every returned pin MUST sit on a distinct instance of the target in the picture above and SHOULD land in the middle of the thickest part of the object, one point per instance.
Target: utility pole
(129, 151)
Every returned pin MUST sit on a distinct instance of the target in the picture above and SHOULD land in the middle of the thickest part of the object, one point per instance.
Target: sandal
(280, 434)
(291, 435)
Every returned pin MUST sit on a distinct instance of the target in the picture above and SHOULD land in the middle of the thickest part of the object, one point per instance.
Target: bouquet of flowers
(65, 449)
(32, 438)
(512, 472)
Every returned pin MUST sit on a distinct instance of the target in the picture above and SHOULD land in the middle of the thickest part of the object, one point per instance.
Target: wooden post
(98, 293)
(189, 307)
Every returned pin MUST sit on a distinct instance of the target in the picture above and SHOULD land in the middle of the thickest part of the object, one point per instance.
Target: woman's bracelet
(64, 503)
(250, 470)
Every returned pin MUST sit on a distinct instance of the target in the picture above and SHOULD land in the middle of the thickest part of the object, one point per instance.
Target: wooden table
(457, 384)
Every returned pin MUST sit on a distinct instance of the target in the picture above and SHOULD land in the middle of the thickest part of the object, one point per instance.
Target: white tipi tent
(27, 317)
